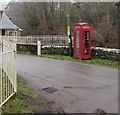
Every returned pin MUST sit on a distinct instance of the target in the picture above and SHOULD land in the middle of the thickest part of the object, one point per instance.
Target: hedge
(96, 53)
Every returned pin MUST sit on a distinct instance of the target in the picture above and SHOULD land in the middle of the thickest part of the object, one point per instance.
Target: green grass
(100, 62)
(20, 102)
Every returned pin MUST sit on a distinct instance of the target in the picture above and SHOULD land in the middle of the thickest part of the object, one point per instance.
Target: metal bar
(7, 99)
(6, 52)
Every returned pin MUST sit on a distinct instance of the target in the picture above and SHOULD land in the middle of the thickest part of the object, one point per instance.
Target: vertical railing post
(38, 47)
(0, 111)
(15, 74)
(1, 86)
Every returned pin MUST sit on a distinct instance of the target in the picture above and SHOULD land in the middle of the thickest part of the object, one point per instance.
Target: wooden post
(69, 30)
(118, 23)
(118, 7)
(38, 47)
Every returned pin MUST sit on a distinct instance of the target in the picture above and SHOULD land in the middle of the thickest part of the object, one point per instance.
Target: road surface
(80, 87)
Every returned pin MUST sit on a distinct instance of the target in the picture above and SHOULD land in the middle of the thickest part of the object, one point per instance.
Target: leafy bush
(96, 53)
(32, 49)
(99, 54)
(56, 51)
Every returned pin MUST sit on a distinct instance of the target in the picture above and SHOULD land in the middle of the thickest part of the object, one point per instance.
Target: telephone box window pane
(77, 42)
(87, 39)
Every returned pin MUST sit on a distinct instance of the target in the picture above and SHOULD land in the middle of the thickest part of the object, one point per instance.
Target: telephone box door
(87, 44)
(77, 42)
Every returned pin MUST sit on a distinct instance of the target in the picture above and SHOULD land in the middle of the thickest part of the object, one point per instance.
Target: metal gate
(8, 84)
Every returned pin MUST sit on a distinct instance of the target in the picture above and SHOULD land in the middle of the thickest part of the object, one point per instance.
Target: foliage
(27, 49)
(46, 18)
(33, 21)
(99, 54)
(56, 51)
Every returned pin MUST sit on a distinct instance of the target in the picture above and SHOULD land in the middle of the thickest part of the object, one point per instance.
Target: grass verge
(21, 101)
(100, 62)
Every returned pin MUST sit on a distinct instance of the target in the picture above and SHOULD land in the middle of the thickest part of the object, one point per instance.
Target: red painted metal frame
(82, 27)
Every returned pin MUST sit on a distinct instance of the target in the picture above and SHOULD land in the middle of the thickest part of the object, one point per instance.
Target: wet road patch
(68, 87)
(49, 89)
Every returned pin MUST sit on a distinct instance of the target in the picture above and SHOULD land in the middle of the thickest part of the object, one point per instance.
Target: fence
(45, 39)
(8, 84)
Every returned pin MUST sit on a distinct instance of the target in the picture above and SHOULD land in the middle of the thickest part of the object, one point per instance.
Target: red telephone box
(82, 41)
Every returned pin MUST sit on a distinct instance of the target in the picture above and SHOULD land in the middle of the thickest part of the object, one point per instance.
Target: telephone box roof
(6, 23)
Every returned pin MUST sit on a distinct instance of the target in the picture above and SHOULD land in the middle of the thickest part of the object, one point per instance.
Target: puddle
(49, 89)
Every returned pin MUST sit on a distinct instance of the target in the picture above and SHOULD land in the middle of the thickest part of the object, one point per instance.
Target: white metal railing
(8, 80)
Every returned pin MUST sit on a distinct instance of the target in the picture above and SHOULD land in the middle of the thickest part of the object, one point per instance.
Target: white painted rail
(45, 39)
(8, 80)
(50, 40)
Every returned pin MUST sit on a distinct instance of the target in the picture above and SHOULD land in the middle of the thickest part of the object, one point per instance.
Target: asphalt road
(81, 87)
